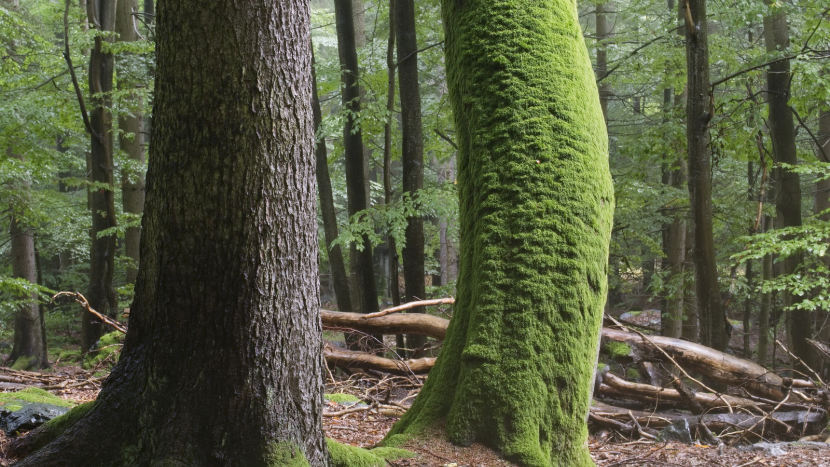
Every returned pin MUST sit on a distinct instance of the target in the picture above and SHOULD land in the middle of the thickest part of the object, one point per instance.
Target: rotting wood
(349, 358)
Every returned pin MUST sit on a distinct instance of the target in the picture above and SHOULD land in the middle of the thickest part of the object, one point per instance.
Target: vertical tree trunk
(353, 144)
(412, 156)
(766, 299)
(101, 294)
(222, 363)
(674, 247)
(822, 204)
(603, 33)
(788, 204)
(536, 203)
(131, 141)
(698, 114)
(338, 268)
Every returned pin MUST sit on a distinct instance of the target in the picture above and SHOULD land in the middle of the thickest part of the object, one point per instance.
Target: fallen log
(709, 402)
(409, 323)
(790, 424)
(351, 359)
(718, 366)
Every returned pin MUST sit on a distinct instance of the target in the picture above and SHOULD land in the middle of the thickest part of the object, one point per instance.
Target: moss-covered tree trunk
(536, 200)
(222, 363)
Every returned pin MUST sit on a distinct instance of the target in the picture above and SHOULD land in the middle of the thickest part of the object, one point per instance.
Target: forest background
(769, 196)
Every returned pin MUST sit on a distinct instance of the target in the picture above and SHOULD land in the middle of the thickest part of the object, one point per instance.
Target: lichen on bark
(536, 210)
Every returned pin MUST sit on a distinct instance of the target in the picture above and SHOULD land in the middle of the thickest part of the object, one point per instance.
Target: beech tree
(536, 205)
(222, 362)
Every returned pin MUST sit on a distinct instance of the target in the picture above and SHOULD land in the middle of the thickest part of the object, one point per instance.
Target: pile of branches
(677, 380)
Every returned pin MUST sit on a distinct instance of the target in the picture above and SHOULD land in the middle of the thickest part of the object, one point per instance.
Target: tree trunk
(101, 294)
(353, 143)
(29, 350)
(766, 297)
(338, 268)
(691, 323)
(412, 157)
(698, 114)
(799, 323)
(222, 363)
(536, 203)
(131, 141)
(822, 204)
(603, 33)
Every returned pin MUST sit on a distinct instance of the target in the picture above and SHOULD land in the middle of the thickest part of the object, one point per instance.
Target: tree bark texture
(101, 294)
(698, 114)
(353, 144)
(412, 157)
(222, 363)
(131, 141)
(338, 268)
(536, 209)
(394, 286)
(788, 203)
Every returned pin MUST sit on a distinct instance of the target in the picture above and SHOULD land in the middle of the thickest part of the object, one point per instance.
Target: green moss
(24, 363)
(110, 349)
(285, 454)
(343, 455)
(617, 350)
(52, 429)
(341, 398)
(31, 395)
(632, 374)
(536, 208)
(68, 355)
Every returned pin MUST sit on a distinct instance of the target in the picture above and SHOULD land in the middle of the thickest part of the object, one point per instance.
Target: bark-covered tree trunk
(822, 205)
(394, 286)
(603, 33)
(353, 144)
(674, 247)
(131, 141)
(222, 362)
(536, 203)
(799, 323)
(29, 349)
(698, 114)
(101, 294)
(338, 268)
(412, 157)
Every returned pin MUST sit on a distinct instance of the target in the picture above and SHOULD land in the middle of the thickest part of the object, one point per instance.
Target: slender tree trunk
(353, 144)
(603, 33)
(222, 363)
(674, 247)
(516, 367)
(338, 268)
(822, 205)
(691, 323)
(766, 300)
(698, 114)
(101, 294)
(29, 349)
(799, 323)
(412, 156)
(131, 141)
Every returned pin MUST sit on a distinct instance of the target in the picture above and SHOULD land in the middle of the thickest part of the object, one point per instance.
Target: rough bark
(799, 323)
(131, 141)
(353, 144)
(222, 363)
(536, 202)
(101, 294)
(412, 158)
(698, 114)
(822, 204)
(340, 279)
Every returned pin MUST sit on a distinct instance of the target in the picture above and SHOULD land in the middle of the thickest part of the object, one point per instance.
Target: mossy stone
(109, 345)
(341, 398)
(9, 400)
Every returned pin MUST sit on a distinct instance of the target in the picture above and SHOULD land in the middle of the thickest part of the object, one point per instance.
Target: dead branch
(410, 305)
(84, 303)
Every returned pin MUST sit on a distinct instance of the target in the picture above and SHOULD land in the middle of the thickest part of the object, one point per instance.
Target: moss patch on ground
(285, 454)
(13, 401)
(343, 455)
(617, 350)
(341, 398)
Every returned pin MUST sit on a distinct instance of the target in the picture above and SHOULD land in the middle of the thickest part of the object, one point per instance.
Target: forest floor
(365, 424)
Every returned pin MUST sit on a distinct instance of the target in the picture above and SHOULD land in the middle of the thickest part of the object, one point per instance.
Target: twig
(445, 137)
(349, 410)
(407, 306)
(818, 378)
(84, 303)
(815, 140)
